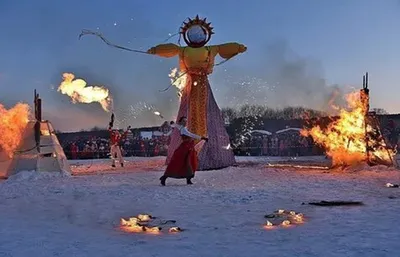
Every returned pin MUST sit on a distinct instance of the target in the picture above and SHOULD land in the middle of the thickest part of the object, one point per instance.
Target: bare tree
(380, 111)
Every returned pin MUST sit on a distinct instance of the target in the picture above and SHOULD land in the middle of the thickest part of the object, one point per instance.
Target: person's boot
(122, 164)
(189, 181)
(163, 179)
(113, 165)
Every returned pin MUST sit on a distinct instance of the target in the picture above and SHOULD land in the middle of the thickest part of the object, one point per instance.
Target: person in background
(116, 139)
(74, 151)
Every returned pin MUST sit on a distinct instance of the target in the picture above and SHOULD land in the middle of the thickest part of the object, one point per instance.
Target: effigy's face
(197, 35)
(196, 32)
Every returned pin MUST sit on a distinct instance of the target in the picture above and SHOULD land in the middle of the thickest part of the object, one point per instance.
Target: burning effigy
(355, 136)
(283, 218)
(145, 223)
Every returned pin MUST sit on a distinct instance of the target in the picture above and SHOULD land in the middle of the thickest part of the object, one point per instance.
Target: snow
(223, 212)
(35, 175)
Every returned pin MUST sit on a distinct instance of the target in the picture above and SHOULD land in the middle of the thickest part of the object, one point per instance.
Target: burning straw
(345, 139)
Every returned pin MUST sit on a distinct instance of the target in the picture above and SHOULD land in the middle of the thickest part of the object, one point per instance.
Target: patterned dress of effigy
(198, 103)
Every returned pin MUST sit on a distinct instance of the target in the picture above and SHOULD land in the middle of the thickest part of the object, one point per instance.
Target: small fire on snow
(283, 218)
(80, 92)
(390, 185)
(140, 224)
(136, 225)
(12, 125)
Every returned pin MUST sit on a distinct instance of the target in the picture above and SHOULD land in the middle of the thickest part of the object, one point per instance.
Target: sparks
(178, 79)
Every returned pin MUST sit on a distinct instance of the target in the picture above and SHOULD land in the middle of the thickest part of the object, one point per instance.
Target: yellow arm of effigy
(165, 50)
(229, 50)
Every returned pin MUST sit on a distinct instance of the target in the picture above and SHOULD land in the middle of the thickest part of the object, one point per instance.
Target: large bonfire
(12, 125)
(351, 139)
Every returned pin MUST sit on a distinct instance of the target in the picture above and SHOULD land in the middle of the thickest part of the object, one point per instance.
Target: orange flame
(178, 79)
(12, 125)
(268, 225)
(78, 90)
(133, 225)
(344, 138)
(174, 230)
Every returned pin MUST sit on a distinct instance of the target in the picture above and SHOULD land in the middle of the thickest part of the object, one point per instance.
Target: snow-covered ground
(222, 212)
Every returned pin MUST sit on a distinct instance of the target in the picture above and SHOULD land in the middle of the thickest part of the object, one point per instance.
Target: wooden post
(364, 95)
(38, 118)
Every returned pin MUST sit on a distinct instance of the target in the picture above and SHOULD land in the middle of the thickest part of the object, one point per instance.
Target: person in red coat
(115, 145)
(184, 161)
(74, 151)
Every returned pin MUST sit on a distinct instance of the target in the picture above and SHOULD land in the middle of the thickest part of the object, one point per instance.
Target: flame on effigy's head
(80, 92)
(344, 138)
(12, 125)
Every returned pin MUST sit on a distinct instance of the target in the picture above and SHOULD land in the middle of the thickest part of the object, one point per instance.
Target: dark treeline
(265, 112)
(242, 123)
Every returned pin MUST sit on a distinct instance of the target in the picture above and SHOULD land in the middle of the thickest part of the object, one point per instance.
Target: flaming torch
(78, 90)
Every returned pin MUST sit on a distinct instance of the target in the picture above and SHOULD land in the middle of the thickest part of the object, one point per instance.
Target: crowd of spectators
(284, 144)
(99, 148)
(289, 143)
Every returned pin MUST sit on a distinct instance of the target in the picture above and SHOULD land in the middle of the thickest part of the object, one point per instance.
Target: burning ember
(144, 217)
(390, 185)
(283, 218)
(141, 224)
(178, 79)
(175, 230)
(78, 90)
(159, 114)
(345, 139)
(12, 125)
(136, 225)
(269, 224)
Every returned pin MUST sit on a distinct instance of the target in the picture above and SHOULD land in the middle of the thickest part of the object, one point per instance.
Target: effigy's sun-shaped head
(196, 32)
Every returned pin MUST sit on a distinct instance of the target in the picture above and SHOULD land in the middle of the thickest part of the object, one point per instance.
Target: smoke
(281, 78)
